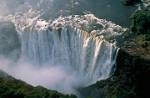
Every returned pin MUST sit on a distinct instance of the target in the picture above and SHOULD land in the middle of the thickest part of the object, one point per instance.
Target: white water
(83, 53)
(63, 50)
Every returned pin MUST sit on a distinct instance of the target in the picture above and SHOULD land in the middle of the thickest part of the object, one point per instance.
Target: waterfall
(70, 42)
(63, 54)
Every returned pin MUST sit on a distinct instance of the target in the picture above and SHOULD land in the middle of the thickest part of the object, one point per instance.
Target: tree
(141, 22)
(130, 2)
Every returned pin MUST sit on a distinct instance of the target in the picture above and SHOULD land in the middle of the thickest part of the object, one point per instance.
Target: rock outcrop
(130, 80)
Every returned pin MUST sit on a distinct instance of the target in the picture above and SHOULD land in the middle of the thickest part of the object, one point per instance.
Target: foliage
(130, 2)
(12, 88)
(141, 22)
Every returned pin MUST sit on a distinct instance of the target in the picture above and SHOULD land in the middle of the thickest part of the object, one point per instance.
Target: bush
(12, 88)
(130, 2)
(147, 37)
(141, 22)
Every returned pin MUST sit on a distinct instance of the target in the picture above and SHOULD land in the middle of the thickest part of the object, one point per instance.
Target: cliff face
(130, 80)
(134, 73)
(9, 41)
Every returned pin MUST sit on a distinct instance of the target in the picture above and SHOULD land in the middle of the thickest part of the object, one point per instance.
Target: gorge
(74, 48)
(80, 54)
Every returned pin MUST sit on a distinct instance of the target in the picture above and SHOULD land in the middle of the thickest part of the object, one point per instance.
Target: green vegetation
(141, 22)
(130, 2)
(141, 27)
(12, 88)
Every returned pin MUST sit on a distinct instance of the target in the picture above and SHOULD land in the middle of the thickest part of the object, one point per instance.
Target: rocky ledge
(130, 80)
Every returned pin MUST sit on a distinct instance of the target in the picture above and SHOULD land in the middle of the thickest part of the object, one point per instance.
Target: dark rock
(130, 80)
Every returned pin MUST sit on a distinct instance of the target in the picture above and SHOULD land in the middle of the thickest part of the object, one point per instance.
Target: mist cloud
(53, 77)
(12, 7)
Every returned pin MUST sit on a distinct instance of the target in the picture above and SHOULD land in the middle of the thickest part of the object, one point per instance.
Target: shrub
(141, 22)
(130, 2)
(12, 88)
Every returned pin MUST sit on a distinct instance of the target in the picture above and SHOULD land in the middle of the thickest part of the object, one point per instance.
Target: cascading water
(75, 43)
(84, 53)
(63, 42)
